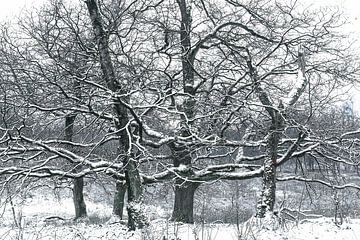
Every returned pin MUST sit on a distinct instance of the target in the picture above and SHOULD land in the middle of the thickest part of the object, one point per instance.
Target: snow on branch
(300, 83)
(348, 134)
(328, 184)
(69, 155)
(291, 150)
(210, 173)
(45, 172)
(205, 176)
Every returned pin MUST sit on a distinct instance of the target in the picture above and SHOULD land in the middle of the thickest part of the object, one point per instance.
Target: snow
(182, 168)
(320, 229)
(35, 210)
(325, 228)
(296, 91)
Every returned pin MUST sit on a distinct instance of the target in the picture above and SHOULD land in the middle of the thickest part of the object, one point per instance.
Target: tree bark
(136, 218)
(184, 201)
(132, 176)
(78, 197)
(184, 190)
(78, 188)
(267, 198)
(119, 199)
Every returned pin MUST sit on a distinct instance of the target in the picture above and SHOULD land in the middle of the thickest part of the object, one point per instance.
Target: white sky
(350, 7)
(11, 8)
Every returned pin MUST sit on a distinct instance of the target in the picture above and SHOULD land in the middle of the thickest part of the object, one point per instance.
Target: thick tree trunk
(78, 188)
(119, 199)
(132, 175)
(184, 191)
(183, 209)
(78, 197)
(184, 201)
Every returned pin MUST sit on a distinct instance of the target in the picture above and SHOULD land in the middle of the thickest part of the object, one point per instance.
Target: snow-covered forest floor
(36, 218)
(322, 229)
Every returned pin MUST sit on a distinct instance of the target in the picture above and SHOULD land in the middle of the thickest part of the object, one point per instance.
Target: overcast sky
(11, 8)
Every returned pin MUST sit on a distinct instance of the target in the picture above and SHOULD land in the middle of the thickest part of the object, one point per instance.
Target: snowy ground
(321, 229)
(31, 215)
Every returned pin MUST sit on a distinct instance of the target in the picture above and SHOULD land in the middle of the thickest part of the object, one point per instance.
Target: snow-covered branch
(328, 184)
(300, 84)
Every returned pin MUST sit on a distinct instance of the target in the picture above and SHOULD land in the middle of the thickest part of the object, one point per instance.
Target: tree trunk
(119, 199)
(78, 197)
(78, 188)
(136, 217)
(121, 119)
(267, 199)
(184, 191)
(184, 201)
